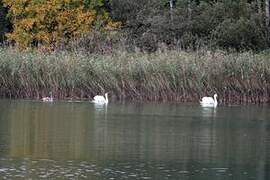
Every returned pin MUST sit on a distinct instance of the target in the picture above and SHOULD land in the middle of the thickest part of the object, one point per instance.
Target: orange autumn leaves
(49, 22)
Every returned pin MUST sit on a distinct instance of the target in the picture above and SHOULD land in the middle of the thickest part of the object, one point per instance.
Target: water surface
(78, 140)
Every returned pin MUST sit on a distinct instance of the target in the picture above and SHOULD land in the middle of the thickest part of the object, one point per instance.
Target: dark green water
(65, 140)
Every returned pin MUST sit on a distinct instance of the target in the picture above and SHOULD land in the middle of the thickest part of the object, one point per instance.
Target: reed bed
(162, 76)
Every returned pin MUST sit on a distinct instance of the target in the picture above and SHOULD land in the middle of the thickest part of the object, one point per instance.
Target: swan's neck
(106, 98)
(215, 100)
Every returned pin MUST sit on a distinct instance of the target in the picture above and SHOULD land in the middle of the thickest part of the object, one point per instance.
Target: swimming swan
(101, 99)
(209, 101)
(48, 99)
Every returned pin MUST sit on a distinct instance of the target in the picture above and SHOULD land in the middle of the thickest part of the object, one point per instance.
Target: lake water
(78, 140)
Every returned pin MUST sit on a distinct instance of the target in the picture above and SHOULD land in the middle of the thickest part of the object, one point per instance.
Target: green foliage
(240, 34)
(193, 24)
(147, 25)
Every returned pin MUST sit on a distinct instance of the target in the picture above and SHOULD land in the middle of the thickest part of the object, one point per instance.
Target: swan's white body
(101, 99)
(48, 99)
(209, 101)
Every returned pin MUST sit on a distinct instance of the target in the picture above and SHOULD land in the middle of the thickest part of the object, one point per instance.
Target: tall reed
(161, 76)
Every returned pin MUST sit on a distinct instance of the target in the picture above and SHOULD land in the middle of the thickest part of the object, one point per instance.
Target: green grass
(161, 76)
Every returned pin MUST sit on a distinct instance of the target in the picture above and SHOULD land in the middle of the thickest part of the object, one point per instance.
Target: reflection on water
(133, 141)
(208, 112)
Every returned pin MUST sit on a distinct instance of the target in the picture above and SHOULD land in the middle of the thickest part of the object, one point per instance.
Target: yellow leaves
(113, 25)
(26, 24)
(43, 36)
(21, 37)
(15, 6)
(47, 22)
(75, 21)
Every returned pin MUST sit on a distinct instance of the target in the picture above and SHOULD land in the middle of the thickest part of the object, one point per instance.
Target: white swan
(48, 99)
(209, 101)
(101, 99)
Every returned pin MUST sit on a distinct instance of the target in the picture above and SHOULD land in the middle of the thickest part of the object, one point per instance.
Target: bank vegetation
(154, 50)
(161, 76)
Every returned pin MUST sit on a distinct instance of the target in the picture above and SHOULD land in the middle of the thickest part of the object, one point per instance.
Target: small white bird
(101, 99)
(48, 99)
(209, 101)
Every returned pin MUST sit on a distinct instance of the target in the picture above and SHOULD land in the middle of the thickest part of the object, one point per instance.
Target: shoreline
(137, 102)
(173, 76)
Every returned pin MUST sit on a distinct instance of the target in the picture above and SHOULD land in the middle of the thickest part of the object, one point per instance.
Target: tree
(267, 15)
(49, 22)
(4, 23)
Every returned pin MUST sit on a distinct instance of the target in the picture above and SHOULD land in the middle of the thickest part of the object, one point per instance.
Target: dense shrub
(213, 24)
(96, 42)
(240, 34)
